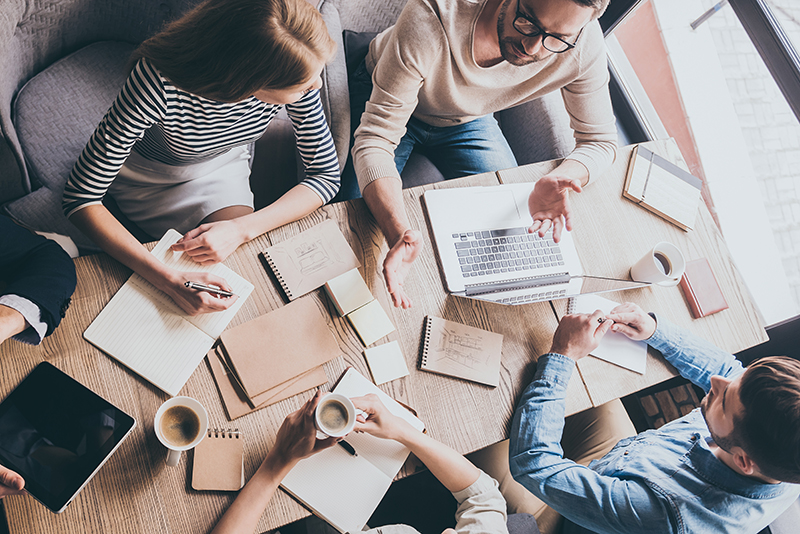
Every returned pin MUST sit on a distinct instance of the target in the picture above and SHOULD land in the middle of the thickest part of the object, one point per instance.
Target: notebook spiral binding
(426, 340)
(571, 306)
(277, 274)
(224, 433)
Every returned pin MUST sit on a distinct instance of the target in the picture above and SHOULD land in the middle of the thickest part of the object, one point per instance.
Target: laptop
(486, 253)
(56, 433)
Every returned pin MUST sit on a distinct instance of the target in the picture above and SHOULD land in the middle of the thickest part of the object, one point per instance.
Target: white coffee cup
(181, 423)
(662, 265)
(335, 416)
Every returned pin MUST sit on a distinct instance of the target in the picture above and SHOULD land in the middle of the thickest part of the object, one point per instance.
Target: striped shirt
(174, 127)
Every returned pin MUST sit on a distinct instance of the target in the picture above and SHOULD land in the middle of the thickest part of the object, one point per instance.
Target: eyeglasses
(528, 28)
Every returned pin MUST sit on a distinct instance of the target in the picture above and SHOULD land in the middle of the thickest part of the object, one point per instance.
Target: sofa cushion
(54, 114)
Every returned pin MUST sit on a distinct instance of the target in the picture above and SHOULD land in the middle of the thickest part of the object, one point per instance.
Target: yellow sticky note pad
(386, 362)
(371, 322)
(348, 292)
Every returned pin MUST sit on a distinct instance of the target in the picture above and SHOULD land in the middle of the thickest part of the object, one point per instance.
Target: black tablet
(57, 434)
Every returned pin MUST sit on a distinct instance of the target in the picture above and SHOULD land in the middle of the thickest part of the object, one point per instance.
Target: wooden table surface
(136, 492)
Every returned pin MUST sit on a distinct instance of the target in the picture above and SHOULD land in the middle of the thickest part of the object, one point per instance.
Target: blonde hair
(226, 50)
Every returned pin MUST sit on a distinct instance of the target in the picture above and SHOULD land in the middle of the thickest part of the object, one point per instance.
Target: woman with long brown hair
(174, 149)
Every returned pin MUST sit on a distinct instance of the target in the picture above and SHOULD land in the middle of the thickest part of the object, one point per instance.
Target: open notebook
(146, 331)
(342, 489)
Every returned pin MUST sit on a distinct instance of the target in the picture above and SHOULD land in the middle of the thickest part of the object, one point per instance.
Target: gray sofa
(65, 60)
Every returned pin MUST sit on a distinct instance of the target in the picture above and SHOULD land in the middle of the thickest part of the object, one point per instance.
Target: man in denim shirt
(731, 466)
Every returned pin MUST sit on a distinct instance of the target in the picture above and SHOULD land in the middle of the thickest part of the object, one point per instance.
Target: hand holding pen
(210, 289)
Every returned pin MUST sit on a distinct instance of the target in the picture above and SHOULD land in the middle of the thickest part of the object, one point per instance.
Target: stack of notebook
(353, 300)
(270, 358)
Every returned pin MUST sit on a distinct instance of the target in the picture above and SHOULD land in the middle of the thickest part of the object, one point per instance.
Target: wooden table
(136, 492)
(611, 240)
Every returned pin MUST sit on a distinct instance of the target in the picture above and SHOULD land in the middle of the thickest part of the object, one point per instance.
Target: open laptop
(485, 250)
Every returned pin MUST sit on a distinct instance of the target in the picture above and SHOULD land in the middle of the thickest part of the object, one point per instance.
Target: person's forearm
(11, 322)
(538, 422)
(384, 197)
(573, 169)
(449, 467)
(696, 359)
(108, 233)
(295, 204)
(243, 515)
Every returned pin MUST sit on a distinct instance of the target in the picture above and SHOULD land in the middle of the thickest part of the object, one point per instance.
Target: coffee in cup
(662, 265)
(180, 424)
(335, 415)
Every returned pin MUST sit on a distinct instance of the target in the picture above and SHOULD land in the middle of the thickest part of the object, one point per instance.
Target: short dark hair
(769, 429)
(599, 6)
(227, 50)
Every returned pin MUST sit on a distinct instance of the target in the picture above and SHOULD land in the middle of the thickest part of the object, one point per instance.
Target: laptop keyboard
(506, 250)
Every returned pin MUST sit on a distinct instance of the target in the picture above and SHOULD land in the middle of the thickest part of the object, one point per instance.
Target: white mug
(181, 423)
(662, 265)
(335, 416)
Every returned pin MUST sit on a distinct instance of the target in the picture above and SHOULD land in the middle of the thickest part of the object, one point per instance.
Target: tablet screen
(57, 433)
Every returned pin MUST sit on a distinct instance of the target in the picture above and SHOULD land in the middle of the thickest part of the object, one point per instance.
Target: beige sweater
(481, 510)
(424, 65)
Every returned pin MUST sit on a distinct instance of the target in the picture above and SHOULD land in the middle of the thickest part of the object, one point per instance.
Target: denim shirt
(664, 480)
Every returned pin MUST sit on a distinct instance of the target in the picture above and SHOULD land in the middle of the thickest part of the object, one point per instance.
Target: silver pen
(210, 289)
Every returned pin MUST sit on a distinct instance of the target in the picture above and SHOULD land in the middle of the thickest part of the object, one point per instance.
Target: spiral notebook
(306, 261)
(219, 461)
(614, 348)
(461, 351)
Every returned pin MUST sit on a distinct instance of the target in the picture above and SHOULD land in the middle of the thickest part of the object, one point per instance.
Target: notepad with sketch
(462, 351)
(146, 331)
(306, 261)
(342, 489)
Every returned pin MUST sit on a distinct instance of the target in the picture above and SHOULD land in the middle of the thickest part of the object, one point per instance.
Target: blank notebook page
(145, 330)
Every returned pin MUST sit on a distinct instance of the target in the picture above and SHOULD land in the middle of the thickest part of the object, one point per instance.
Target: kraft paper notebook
(342, 489)
(614, 348)
(237, 403)
(279, 346)
(461, 351)
(663, 188)
(306, 261)
(146, 331)
(218, 463)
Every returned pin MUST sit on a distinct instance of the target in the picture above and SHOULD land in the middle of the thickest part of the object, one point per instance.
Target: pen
(349, 448)
(210, 289)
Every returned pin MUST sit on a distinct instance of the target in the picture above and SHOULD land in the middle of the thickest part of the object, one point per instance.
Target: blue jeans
(470, 148)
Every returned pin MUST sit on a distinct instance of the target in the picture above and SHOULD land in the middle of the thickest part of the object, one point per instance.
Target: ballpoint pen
(210, 289)
(349, 448)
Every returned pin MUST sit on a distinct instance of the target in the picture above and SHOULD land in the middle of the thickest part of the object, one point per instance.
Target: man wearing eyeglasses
(440, 73)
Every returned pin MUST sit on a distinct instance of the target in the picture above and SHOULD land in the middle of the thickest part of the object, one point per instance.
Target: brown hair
(769, 429)
(599, 6)
(226, 50)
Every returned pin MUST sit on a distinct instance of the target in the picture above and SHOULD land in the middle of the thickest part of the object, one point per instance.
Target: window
(710, 89)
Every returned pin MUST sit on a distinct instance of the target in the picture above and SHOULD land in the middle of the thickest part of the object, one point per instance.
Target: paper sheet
(614, 348)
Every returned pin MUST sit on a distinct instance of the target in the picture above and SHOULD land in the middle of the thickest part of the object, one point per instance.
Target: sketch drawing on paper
(310, 257)
(462, 349)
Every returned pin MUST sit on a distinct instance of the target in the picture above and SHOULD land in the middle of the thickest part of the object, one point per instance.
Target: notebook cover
(701, 289)
(306, 261)
(234, 401)
(662, 188)
(348, 292)
(461, 351)
(218, 462)
(280, 345)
